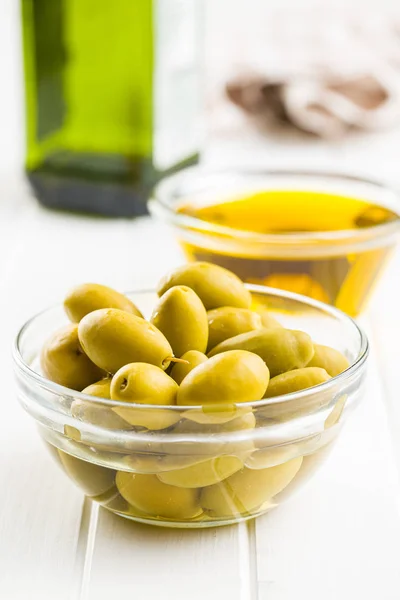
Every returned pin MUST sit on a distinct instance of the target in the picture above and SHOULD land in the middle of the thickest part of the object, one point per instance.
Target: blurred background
(271, 55)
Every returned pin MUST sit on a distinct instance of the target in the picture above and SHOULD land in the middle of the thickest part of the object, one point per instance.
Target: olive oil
(333, 271)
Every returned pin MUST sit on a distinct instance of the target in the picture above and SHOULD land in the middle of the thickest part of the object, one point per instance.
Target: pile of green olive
(206, 345)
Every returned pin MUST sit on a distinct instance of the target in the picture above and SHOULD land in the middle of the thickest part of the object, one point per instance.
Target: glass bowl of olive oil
(324, 235)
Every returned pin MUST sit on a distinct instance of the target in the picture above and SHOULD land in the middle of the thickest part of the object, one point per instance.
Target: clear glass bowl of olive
(212, 411)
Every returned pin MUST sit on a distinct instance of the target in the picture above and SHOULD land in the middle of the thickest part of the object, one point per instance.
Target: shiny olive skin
(180, 370)
(333, 361)
(227, 322)
(202, 474)
(158, 499)
(100, 389)
(296, 380)
(229, 378)
(180, 315)
(84, 299)
(267, 320)
(113, 338)
(214, 285)
(248, 489)
(94, 480)
(281, 349)
(64, 361)
(142, 383)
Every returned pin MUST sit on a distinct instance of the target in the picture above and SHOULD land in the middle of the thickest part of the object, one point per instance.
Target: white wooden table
(339, 538)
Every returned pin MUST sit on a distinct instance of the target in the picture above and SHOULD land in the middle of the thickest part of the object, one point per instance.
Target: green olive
(205, 473)
(226, 379)
(142, 383)
(333, 361)
(281, 349)
(97, 413)
(267, 320)
(113, 338)
(93, 479)
(296, 380)
(214, 285)
(180, 315)
(64, 361)
(84, 299)
(158, 499)
(227, 322)
(181, 369)
(248, 489)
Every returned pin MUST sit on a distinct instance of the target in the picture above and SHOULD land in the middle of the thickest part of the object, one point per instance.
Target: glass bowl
(305, 232)
(195, 466)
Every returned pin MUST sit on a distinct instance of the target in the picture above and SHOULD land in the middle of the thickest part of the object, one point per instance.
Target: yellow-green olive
(267, 320)
(248, 489)
(158, 499)
(100, 389)
(142, 383)
(93, 479)
(281, 349)
(204, 473)
(214, 285)
(64, 361)
(296, 380)
(180, 315)
(84, 299)
(228, 321)
(228, 378)
(192, 359)
(333, 361)
(113, 338)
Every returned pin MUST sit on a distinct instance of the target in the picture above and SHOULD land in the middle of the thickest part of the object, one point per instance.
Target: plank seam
(248, 561)
(85, 549)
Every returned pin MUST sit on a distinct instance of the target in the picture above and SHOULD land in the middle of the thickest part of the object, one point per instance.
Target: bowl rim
(60, 390)
(160, 206)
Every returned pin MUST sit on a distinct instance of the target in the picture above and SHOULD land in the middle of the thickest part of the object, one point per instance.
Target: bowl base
(195, 524)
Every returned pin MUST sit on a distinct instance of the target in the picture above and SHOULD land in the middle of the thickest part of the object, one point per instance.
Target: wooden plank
(40, 510)
(385, 326)
(153, 562)
(340, 537)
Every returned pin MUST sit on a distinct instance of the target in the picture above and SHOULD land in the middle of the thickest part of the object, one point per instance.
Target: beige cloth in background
(321, 73)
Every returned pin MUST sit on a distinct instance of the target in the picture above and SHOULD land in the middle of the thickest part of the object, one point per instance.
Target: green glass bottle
(113, 98)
